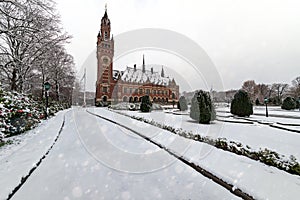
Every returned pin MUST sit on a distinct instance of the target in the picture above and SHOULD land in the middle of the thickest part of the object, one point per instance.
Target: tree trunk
(13, 85)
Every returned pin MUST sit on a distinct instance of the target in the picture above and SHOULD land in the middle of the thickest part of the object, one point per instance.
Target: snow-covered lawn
(272, 110)
(255, 178)
(254, 135)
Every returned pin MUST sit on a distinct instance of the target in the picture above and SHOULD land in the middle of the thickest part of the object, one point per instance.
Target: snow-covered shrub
(146, 104)
(19, 113)
(182, 104)
(202, 109)
(241, 104)
(289, 103)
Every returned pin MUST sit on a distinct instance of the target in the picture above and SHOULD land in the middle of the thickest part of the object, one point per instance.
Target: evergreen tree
(182, 104)
(241, 104)
(202, 109)
(288, 103)
(257, 102)
(146, 104)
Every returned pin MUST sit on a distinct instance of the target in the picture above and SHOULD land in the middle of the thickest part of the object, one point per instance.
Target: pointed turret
(144, 68)
(105, 26)
(162, 72)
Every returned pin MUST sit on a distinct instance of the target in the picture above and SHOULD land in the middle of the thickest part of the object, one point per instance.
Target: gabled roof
(134, 75)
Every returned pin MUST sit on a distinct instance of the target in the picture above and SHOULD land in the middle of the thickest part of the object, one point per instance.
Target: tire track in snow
(231, 188)
(24, 178)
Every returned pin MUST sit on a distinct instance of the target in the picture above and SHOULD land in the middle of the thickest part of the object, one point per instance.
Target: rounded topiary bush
(202, 109)
(146, 104)
(241, 104)
(182, 104)
(289, 103)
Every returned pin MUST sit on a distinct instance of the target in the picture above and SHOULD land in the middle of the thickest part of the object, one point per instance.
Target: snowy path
(257, 179)
(18, 160)
(94, 159)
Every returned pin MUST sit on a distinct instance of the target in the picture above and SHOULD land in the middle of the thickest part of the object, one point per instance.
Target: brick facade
(111, 87)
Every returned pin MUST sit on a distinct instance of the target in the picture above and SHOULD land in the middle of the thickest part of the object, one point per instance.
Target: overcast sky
(245, 39)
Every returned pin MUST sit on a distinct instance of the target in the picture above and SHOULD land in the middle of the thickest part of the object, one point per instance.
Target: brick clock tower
(105, 53)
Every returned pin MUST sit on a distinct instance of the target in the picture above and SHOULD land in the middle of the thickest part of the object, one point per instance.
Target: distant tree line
(275, 93)
(32, 49)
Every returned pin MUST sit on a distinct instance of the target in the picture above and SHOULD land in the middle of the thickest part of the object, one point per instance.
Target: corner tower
(105, 54)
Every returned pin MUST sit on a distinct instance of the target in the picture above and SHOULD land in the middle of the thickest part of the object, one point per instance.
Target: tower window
(106, 35)
(104, 89)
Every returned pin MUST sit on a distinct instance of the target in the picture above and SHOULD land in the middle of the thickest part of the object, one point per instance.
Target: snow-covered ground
(94, 159)
(17, 159)
(254, 135)
(272, 110)
(255, 178)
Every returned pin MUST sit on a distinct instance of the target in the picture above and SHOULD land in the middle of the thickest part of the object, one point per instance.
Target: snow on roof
(138, 76)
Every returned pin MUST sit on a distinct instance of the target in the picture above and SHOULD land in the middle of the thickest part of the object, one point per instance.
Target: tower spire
(144, 69)
(162, 71)
(106, 7)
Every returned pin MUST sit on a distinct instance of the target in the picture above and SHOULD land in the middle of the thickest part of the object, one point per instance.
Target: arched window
(104, 98)
(125, 99)
(135, 99)
(130, 99)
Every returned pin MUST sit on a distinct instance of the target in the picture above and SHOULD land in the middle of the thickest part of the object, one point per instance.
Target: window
(154, 92)
(106, 35)
(141, 91)
(125, 90)
(104, 89)
(130, 90)
(148, 91)
(136, 91)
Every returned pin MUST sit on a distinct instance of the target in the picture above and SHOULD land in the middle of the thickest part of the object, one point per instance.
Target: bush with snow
(19, 113)
(202, 109)
(241, 104)
(182, 104)
(146, 104)
(289, 103)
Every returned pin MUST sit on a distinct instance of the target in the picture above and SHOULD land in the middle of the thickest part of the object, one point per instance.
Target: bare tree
(32, 30)
(250, 87)
(295, 89)
(262, 91)
(279, 90)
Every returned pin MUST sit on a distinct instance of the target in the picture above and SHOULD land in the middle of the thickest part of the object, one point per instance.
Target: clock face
(105, 60)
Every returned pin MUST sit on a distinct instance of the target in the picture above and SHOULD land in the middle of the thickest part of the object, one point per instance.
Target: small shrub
(241, 104)
(257, 102)
(146, 104)
(182, 104)
(202, 109)
(288, 103)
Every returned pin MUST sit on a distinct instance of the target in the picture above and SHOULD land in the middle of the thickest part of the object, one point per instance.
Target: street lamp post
(266, 102)
(47, 87)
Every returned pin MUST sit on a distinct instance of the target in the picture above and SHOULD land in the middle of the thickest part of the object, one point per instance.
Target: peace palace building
(132, 83)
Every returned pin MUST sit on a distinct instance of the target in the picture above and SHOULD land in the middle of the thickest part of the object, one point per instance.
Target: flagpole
(84, 84)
